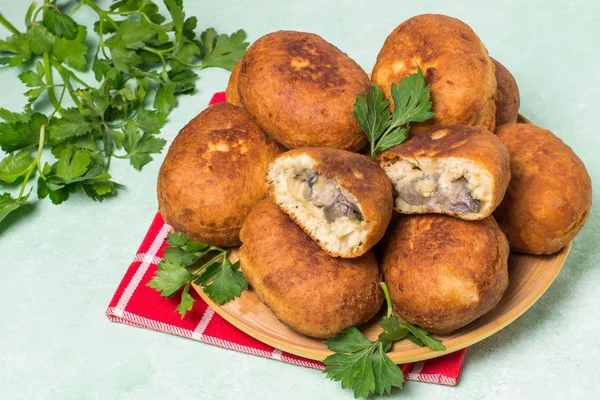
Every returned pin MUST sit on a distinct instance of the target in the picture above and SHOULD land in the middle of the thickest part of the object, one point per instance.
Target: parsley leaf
(23, 132)
(72, 165)
(8, 204)
(397, 136)
(385, 129)
(182, 81)
(386, 373)
(187, 301)
(349, 340)
(411, 100)
(165, 100)
(415, 340)
(151, 121)
(372, 113)
(124, 59)
(176, 240)
(76, 170)
(99, 190)
(175, 8)
(14, 166)
(72, 124)
(60, 24)
(17, 45)
(223, 281)
(57, 195)
(72, 51)
(425, 337)
(222, 50)
(354, 370)
(170, 278)
(183, 263)
(39, 38)
(15, 135)
(139, 147)
(393, 330)
(31, 79)
(131, 35)
(186, 51)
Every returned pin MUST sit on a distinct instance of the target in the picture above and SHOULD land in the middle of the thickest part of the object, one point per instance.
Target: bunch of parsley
(143, 60)
(187, 261)
(362, 365)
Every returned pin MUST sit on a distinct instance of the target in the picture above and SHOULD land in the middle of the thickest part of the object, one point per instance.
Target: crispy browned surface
(550, 194)
(301, 90)
(311, 292)
(443, 272)
(455, 63)
(507, 96)
(360, 177)
(231, 93)
(214, 174)
(474, 143)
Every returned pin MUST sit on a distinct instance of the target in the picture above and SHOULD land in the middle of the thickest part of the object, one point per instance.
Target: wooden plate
(530, 276)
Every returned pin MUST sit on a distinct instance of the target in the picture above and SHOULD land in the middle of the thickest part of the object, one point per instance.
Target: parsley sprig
(362, 365)
(143, 61)
(385, 129)
(185, 261)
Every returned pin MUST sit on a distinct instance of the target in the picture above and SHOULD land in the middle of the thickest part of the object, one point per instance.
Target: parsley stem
(138, 12)
(8, 25)
(38, 156)
(388, 299)
(122, 123)
(187, 64)
(64, 71)
(100, 41)
(40, 9)
(76, 8)
(49, 83)
(35, 163)
(101, 13)
(79, 80)
(159, 54)
(60, 99)
(65, 74)
(223, 254)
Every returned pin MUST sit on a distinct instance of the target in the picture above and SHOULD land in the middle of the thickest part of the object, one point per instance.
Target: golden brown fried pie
(456, 170)
(443, 272)
(507, 96)
(455, 63)
(311, 292)
(231, 93)
(301, 90)
(550, 194)
(342, 200)
(214, 173)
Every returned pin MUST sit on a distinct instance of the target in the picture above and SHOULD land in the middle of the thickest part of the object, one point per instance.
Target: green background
(61, 264)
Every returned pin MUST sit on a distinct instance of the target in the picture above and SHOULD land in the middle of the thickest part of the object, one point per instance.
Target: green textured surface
(60, 265)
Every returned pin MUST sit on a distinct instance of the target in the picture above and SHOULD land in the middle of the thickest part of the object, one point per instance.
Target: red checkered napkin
(138, 305)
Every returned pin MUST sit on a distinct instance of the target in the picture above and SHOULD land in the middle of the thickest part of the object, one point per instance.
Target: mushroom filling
(430, 191)
(327, 194)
